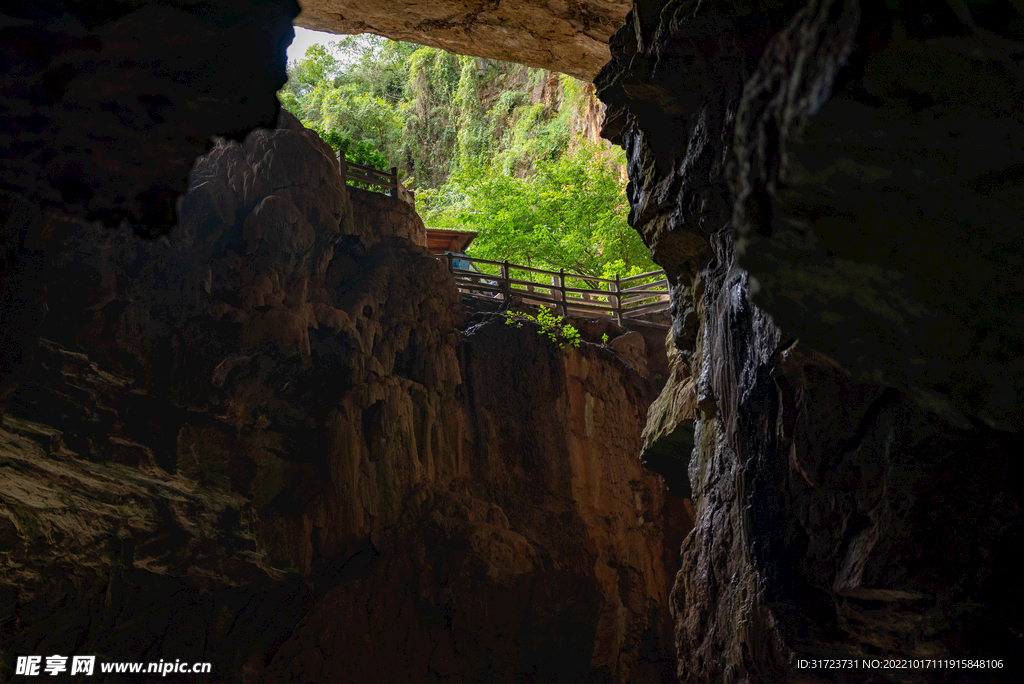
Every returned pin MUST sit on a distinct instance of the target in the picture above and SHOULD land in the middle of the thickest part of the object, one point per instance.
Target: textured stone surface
(515, 562)
(566, 36)
(378, 215)
(870, 210)
(668, 434)
(834, 405)
(264, 441)
(836, 519)
(888, 233)
(671, 89)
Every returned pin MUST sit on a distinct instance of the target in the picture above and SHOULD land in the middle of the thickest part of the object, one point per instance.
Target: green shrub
(551, 326)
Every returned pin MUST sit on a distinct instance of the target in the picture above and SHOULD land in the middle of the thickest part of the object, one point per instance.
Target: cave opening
(271, 439)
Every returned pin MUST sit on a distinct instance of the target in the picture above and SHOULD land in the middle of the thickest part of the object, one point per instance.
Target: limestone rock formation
(823, 184)
(265, 441)
(376, 215)
(870, 219)
(568, 37)
(670, 424)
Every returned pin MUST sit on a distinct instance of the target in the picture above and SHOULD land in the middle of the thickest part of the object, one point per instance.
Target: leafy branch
(550, 324)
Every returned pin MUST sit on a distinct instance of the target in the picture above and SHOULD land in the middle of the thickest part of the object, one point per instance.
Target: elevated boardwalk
(633, 299)
(623, 300)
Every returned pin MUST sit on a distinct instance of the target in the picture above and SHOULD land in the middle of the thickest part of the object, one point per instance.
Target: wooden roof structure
(457, 241)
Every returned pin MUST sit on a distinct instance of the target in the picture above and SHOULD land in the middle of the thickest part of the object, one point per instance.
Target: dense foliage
(569, 213)
(490, 146)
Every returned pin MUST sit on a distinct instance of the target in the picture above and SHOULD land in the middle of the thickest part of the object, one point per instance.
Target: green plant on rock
(551, 325)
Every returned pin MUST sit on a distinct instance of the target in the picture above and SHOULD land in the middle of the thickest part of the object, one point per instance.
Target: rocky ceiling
(569, 36)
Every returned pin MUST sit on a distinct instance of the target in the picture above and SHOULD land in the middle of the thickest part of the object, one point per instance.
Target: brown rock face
(264, 441)
(839, 387)
(570, 37)
(377, 215)
(516, 563)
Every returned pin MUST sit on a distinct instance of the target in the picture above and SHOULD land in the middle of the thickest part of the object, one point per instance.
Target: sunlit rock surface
(267, 441)
(568, 37)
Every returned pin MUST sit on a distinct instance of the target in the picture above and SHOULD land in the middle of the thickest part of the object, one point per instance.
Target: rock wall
(844, 400)
(266, 441)
(568, 37)
(108, 104)
(376, 215)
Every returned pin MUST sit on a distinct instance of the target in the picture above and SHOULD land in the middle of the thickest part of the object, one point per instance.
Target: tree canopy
(568, 213)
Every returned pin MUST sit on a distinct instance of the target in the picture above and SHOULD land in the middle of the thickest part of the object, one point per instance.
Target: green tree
(352, 89)
(570, 213)
(309, 81)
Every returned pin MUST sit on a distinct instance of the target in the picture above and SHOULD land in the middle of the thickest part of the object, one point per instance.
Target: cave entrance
(494, 151)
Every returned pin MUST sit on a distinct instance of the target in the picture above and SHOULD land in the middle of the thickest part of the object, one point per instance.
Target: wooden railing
(357, 173)
(567, 293)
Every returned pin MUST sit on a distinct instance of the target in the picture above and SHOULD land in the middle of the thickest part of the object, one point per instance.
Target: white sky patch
(304, 38)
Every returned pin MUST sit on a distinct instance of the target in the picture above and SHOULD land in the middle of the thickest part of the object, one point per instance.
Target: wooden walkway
(621, 299)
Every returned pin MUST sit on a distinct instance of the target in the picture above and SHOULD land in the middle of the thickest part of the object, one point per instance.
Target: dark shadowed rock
(107, 106)
(837, 406)
(888, 230)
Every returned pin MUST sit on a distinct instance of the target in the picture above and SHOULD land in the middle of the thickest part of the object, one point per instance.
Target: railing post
(561, 290)
(618, 300)
(343, 166)
(394, 181)
(503, 282)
